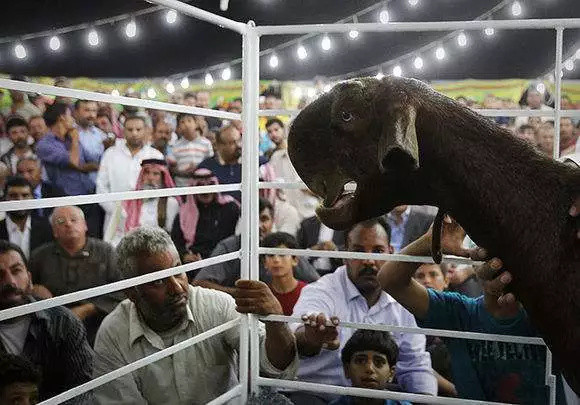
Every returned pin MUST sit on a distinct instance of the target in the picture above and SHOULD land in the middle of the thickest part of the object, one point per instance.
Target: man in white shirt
(165, 312)
(21, 227)
(121, 163)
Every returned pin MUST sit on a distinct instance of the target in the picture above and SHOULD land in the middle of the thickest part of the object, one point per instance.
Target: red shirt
(288, 300)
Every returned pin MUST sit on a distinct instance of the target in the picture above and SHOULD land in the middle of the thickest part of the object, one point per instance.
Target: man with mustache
(167, 311)
(353, 294)
(53, 339)
(17, 130)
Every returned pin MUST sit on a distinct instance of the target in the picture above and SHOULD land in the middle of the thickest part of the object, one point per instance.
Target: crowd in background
(64, 147)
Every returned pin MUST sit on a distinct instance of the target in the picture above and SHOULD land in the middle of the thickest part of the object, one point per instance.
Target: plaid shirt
(56, 343)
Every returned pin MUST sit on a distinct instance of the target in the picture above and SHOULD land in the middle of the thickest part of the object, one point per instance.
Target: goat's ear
(398, 148)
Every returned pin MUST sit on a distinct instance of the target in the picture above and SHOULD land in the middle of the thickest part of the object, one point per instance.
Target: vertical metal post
(250, 216)
(558, 90)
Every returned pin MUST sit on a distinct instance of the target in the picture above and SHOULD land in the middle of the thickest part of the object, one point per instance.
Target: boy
(369, 359)
(281, 267)
(19, 381)
(189, 151)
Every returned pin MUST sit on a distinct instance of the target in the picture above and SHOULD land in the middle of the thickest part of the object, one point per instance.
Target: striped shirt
(185, 152)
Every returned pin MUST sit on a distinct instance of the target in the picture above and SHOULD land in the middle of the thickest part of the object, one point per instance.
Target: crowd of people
(63, 147)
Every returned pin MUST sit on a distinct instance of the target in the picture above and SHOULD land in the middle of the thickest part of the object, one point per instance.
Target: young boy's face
(280, 265)
(19, 393)
(369, 369)
(188, 127)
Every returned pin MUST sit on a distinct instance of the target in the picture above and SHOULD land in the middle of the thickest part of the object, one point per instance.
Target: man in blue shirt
(90, 137)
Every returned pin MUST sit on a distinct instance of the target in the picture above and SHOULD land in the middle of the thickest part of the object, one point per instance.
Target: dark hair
(189, 94)
(34, 117)
(133, 117)
(6, 247)
(276, 239)
(376, 340)
(181, 116)
(16, 369)
(272, 121)
(265, 203)
(525, 127)
(218, 134)
(103, 112)
(369, 223)
(80, 101)
(237, 99)
(16, 181)
(53, 112)
(15, 121)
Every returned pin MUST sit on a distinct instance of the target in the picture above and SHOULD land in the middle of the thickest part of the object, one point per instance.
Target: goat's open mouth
(337, 210)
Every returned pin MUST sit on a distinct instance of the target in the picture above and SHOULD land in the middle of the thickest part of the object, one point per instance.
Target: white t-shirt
(13, 334)
(184, 153)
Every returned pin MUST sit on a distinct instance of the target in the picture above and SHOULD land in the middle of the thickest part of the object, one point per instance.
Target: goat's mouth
(338, 208)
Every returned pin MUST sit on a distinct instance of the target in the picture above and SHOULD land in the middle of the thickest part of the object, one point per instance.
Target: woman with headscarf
(204, 220)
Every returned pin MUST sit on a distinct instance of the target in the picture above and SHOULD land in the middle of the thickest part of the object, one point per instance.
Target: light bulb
(273, 62)
(170, 88)
(226, 74)
(171, 16)
(208, 79)
(418, 63)
(20, 51)
(54, 43)
(516, 9)
(93, 38)
(397, 71)
(384, 16)
(325, 44)
(353, 34)
(440, 53)
(311, 92)
(541, 88)
(569, 65)
(115, 93)
(131, 29)
(184, 83)
(301, 51)
(489, 31)
(462, 40)
(379, 75)
(413, 3)
(297, 92)
(151, 93)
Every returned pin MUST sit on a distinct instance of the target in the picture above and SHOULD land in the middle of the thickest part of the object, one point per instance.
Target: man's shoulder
(149, 152)
(99, 245)
(207, 303)
(231, 243)
(59, 321)
(117, 322)
(210, 162)
(43, 250)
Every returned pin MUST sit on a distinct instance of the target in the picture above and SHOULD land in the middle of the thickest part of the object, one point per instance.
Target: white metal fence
(250, 185)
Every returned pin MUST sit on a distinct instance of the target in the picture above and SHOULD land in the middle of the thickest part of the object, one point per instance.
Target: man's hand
(84, 311)
(41, 292)
(494, 284)
(575, 211)
(326, 245)
(320, 332)
(452, 236)
(74, 134)
(255, 297)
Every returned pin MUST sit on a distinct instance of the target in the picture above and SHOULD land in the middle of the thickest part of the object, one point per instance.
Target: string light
(184, 83)
(131, 29)
(541, 87)
(301, 52)
(384, 16)
(325, 44)
(489, 31)
(20, 51)
(54, 43)
(379, 75)
(418, 63)
(208, 79)
(226, 74)
(170, 88)
(151, 93)
(397, 71)
(569, 65)
(115, 93)
(93, 38)
(516, 9)
(440, 53)
(273, 62)
(353, 34)
(311, 92)
(171, 16)
(462, 40)
(297, 92)
(413, 3)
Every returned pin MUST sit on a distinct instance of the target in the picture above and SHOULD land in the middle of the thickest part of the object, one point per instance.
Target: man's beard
(10, 289)
(21, 143)
(148, 186)
(19, 214)
(367, 280)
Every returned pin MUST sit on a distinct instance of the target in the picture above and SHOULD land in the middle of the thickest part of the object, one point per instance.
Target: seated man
(159, 211)
(165, 312)
(54, 340)
(369, 359)
(75, 262)
(482, 370)
(31, 169)
(223, 276)
(353, 294)
(23, 227)
(19, 381)
(284, 285)
(204, 219)
(313, 234)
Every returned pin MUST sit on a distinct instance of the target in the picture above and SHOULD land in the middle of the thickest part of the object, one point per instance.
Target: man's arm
(216, 276)
(213, 286)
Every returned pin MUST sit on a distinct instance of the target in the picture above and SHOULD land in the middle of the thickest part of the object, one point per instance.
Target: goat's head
(363, 131)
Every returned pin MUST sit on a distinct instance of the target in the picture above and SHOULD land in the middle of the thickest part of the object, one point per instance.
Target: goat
(404, 143)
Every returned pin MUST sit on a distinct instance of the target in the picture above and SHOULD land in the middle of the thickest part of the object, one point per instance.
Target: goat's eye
(346, 116)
